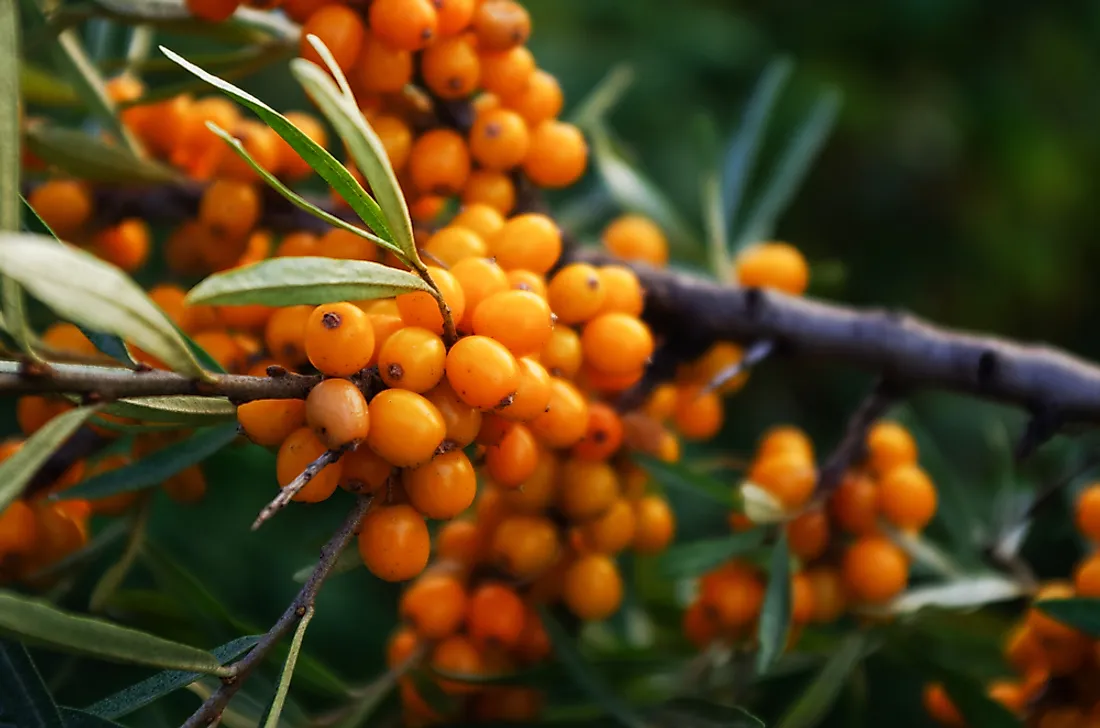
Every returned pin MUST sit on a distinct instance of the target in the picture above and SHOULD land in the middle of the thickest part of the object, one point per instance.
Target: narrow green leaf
(745, 145)
(366, 151)
(594, 108)
(714, 225)
(775, 614)
(176, 410)
(88, 291)
(89, 158)
(276, 708)
(565, 651)
(698, 557)
(976, 706)
(40, 622)
(967, 591)
(111, 346)
(246, 26)
(307, 280)
(140, 694)
(17, 471)
(113, 577)
(41, 88)
(330, 170)
(23, 694)
(1082, 613)
(156, 468)
(791, 170)
(79, 719)
(678, 477)
(815, 702)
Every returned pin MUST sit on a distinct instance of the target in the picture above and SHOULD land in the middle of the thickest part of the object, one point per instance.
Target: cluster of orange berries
(887, 491)
(1042, 650)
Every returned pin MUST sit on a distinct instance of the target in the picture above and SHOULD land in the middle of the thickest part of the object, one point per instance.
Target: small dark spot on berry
(492, 130)
(395, 371)
(593, 283)
(599, 436)
(506, 401)
(426, 34)
(331, 320)
(454, 83)
(355, 485)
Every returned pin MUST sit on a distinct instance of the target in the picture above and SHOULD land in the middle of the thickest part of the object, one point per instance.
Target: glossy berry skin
(635, 237)
(382, 69)
(616, 343)
(285, 335)
(268, 422)
(394, 542)
(439, 162)
(501, 25)
(407, 25)
(587, 489)
(520, 320)
(339, 339)
(808, 534)
(496, 616)
(435, 605)
(562, 356)
(499, 140)
(479, 278)
(525, 545)
(406, 428)
(126, 245)
(889, 445)
(299, 450)
(557, 155)
(337, 413)
(529, 242)
(622, 291)
(453, 244)
(603, 434)
(363, 471)
(461, 420)
(565, 420)
(733, 593)
(854, 504)
(875, 570)
(443, 487)
(540, 99)
(698, 415)
(482, 372)
(506, 73)
(490, 188)
(907, 497)
(576, 293)
(787, 476)
(230, 209)
(613, 531)
(773, 265)
(514, 459)
(532, 393)
(412, 358)
(654, 525)
(451, 68)
(422, 309)
(593, 588)
(1087, 512)
(64, 205)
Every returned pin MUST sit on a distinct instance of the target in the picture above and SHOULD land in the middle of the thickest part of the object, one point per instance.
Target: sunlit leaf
(698, 557)
(276, 708)
(305, 280)
(968, 591)
(180, 409)
(815, 702)
(675, 475)
(23, 695)
(21, 467)
(775, 614)
(1082, 613)
(90, 158)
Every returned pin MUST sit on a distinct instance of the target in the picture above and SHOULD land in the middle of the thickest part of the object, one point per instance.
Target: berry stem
(287, 494)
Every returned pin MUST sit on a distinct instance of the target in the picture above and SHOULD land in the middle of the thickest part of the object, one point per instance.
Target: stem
(287, 494)
(851, 447)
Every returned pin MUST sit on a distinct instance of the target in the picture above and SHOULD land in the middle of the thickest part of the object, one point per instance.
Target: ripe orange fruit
(394, 542)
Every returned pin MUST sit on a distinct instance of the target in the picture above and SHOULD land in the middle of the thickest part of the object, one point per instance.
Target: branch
(211, 709)
(851, 447)
(287, 494)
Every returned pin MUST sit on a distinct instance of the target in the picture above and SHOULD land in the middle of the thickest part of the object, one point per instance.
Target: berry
(634, 237)
(854, 504)
(1087, 512)
(506, 73)
(613, 531)
(532, 393)
(513, 460)
(230, 209)
(603, 435)
(1086, 577)
(540, 100)
(479, 278)
(808, 534)
(64, 205)
(451, 68)
(526, 280)
(406, 427)
(773, 265)
(443, 487)
(938, 704)
(297, 452)
(593, 588)
(802, 599)
(520, 320)
(875, 570)
(829, 596)
(268, 422)
(496, 616)
(587, 489)
(18, 529)
(364, 471)
(889, 445)
(529, 242)
(337, 413)
(787, 476)
(421, 308)
(482, 372)
(698, 415)
(461, 421)
(394, 542)
(457, 655)
(452, 245)
(524, 545)
(454, 15)
(622, 291)
(435, 605)
(615, 343)
(732, 593)
(401, 646)
(565, 420)
(1045, 626)
(126, 244)
(260, 141)
(538, 491)
(382, 69)
(907, 497)
(439, 162)
(479, 218)
(562, 355)
(458, 541)
(499, 139)
(654, 526)
(339, 339)
(576, 293)
(407, 25)
(557, 156)
(344, 245)
(501, 25)
(212, 11)
(494, 189)
(412, 358)
(698, 626)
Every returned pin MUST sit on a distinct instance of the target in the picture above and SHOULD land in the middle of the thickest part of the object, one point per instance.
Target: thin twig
(851, 447)
(213, 706)
(758, 352)
(287, 494)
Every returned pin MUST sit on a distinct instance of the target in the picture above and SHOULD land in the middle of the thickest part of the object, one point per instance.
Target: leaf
(23, 695)
(814, 703)
(369, 699)
(306, 280)
(111, 346)
(39, 621)
(179, 409)
(366, 150)
(140, 694)
(745, 145)
(79, 719)
(599, 102)
(714, 225)
(10, 157)
(276, 708)
(700, 713)
(1081, 613)
(791, 170)
(698, 557)
(977, 708)
(90, 158)
(113, 577)
(156, 468)
(318, 158)
(348, 560)
(17, 470)
(566, 653)
(679, 477)
(88, 291)
(775, 614)
(41, 88)
(968, 591)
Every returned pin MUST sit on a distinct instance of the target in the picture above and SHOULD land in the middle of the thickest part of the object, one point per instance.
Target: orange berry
(401, 646)
(506, 73)
(514, 459)
(435, 604)
(300, 244)
(126, 244)
(443, 487)
(602, 381)
(540, 100)
(337, 413)
(340, 28)
(718, 358)
(1087, 512)
(654, 524)
(613, 531)
(587, 489)
(698, 626)
(562, 355)
(829, 596)
(808, 534)
(622, 291)
(364, 471)
(565, 420)
(576, 293)
(457, 655)
(344, 245)
(802, 599)
(421, 308)
(478, 218)
(538, 491)
(290, 164)
(18, 530)
(525, 545)
(32, 412)
(530, 241)
(285, 335)
(854, 504)
(339, 340)
(230, 209)
(68, 338)
(479, 278)
(394, 542)
(482, 372)
(412, 358)
(493, 429)
(888, 446)
(527, 280)
(222, 348)
(1086, 577)
(462, 422)
(501, 24)
(298, 451)
(187, 487)
(534, 644)
(451, 68)
(454, 15)
(1044, 626)
(733, 594)
(494, 189)
(381, 68)
(496, 616)
(532, 393)
(557, 156)
(1009, 694)
(407, 428)
(787, 476)
(907, 497)
(212, 11)
(458, 541)
(439, 162)
(407, 25)
(875, 570)
(616, 343)
(593, 588)
(603, 435)
(635, 237)
(698, 415)
(937, 703)
(520, 320)
(773, 265)
(499, 139)
(262, 144)
(452, 245)
(268, 422)
(64, 205)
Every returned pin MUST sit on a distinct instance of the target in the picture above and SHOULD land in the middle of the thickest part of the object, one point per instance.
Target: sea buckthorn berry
(298, 451)
(829, 596)
(32, 412)
(875, 570)
(260, 141)
(937, 703)
(457, 655)
(230, 208)
(493, 429)
(125, 245)
(170, 299)
(494, 189)
(407, 428)
(540, 100)
(601, 381)
(698, 625)
(1086, 577)
(499, 139)
(451, 68)
(407, 25)
(562, 355)
(344, 245)
(340, 28)
(454, 15)
(622, 291)
(802, 599)
(527, 280)
(364, 471)
(187, 486)
(394, 542)
(18, 529)
(337, 412)
(381, 68)
(299, 245)
(557, 156)
(654, 524)
(773, 265)
(501, 25)
(518, 319)
(439, 162)
(514, 459)
(285, 335)
(525, 545)
(616, 343)
(506, 73)
(435, 604)
(529, 242)
(443, 487)
(635, 237)
(479, 218)
(603, 435)
(698, 415)
(787, 476)
(889, 445)
(212, 11)
(854, 504)
(339, 340)
(593, 587)
(454, 244)
(459, 542)
(532, 393)
(112, 505)
(268, 422)
(64, 205)
(566, 417)
(479, 278)
(1087, 512)
(482, 372)
(586, 489)
(808, 534)
(733, 593)
(401, 646)
(538, 491)
(421, 308)
(291, 165)
(534, 643)
(396, 138)
(907, 497)
(222, 348)
(412, 358)
(576, 293)
(462, 422)
(1009, 694)
(496, 616)
(613, 531)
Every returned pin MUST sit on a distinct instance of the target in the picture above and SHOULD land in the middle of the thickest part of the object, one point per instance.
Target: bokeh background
(960, 183)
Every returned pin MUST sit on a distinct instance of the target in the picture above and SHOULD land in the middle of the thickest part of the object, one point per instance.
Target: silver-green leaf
(17, 470)
(90, 158)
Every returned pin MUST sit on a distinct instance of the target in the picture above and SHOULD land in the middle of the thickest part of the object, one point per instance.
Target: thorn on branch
(1043, 424)
(851, 447)
(756, 353)
(295, 486)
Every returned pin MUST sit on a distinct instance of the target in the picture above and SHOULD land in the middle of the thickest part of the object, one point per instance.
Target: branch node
(31, 369)
(987, 367)
(276, 371)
